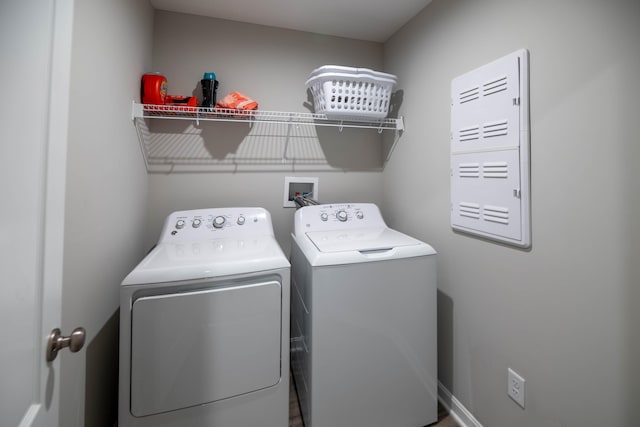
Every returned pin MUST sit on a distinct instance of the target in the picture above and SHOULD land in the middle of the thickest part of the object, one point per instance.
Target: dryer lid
(360, 239)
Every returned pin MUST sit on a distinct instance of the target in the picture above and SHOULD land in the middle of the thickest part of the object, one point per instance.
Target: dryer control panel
(201, 224)
(337, 217)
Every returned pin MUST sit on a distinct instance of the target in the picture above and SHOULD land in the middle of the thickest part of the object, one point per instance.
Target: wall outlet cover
(515, 387)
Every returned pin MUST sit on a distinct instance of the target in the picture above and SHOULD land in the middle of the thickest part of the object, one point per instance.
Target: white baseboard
(455, 408)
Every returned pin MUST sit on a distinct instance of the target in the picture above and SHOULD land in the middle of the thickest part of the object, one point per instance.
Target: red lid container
(153, 89)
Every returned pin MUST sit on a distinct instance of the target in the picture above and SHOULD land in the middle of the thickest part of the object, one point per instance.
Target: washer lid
(374, 244)
(177, 261)
(360, 239)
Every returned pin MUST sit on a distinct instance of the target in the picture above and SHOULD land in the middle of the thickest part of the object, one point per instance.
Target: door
(35, 45)
(199, 347)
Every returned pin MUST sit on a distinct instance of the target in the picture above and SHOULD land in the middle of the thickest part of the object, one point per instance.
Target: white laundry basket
(346, 93)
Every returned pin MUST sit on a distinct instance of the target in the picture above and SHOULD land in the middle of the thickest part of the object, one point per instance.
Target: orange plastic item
(237, 101)
(187, 101)
(153, 89)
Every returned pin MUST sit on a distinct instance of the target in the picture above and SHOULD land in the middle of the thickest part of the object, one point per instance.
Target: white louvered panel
(494, 86)
(495, 89)
(469, 170)
(469, 134)
(490, 151)
(486, 195)
(497, 214)
(469, 210)
(497, 128)
(495, 170)
(468, 95)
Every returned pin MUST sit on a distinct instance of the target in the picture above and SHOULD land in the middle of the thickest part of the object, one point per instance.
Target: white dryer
(364, 346)
(204, 325)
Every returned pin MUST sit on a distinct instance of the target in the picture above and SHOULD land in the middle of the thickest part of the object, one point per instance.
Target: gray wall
(106, 197)
(563, 313)
(271, 66)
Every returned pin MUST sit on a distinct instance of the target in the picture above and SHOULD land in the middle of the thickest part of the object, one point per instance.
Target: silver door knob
(57, 342)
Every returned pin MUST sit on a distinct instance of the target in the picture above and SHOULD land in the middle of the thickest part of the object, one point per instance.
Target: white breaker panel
(490, 194)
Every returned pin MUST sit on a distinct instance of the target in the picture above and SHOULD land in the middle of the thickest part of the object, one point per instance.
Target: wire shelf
(178, 112)
(274, 140)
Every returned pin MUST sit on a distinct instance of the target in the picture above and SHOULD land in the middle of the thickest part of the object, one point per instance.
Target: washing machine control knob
(219, 221)
(359, 215)
(342, 216)
(180, 224)
(324, 216)
(241, 220)
(196, 223)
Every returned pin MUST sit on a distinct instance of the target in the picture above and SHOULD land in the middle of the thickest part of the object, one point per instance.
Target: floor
(295, 419)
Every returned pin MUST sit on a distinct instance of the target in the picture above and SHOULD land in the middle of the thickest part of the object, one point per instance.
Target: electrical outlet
(299, 186)
(515, 387)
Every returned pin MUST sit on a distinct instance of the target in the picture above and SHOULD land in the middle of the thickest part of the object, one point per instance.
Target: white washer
(204, 325)
(364, 347)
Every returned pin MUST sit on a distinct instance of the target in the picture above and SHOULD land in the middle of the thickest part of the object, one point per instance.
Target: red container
(153, 89)
(187, 101)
